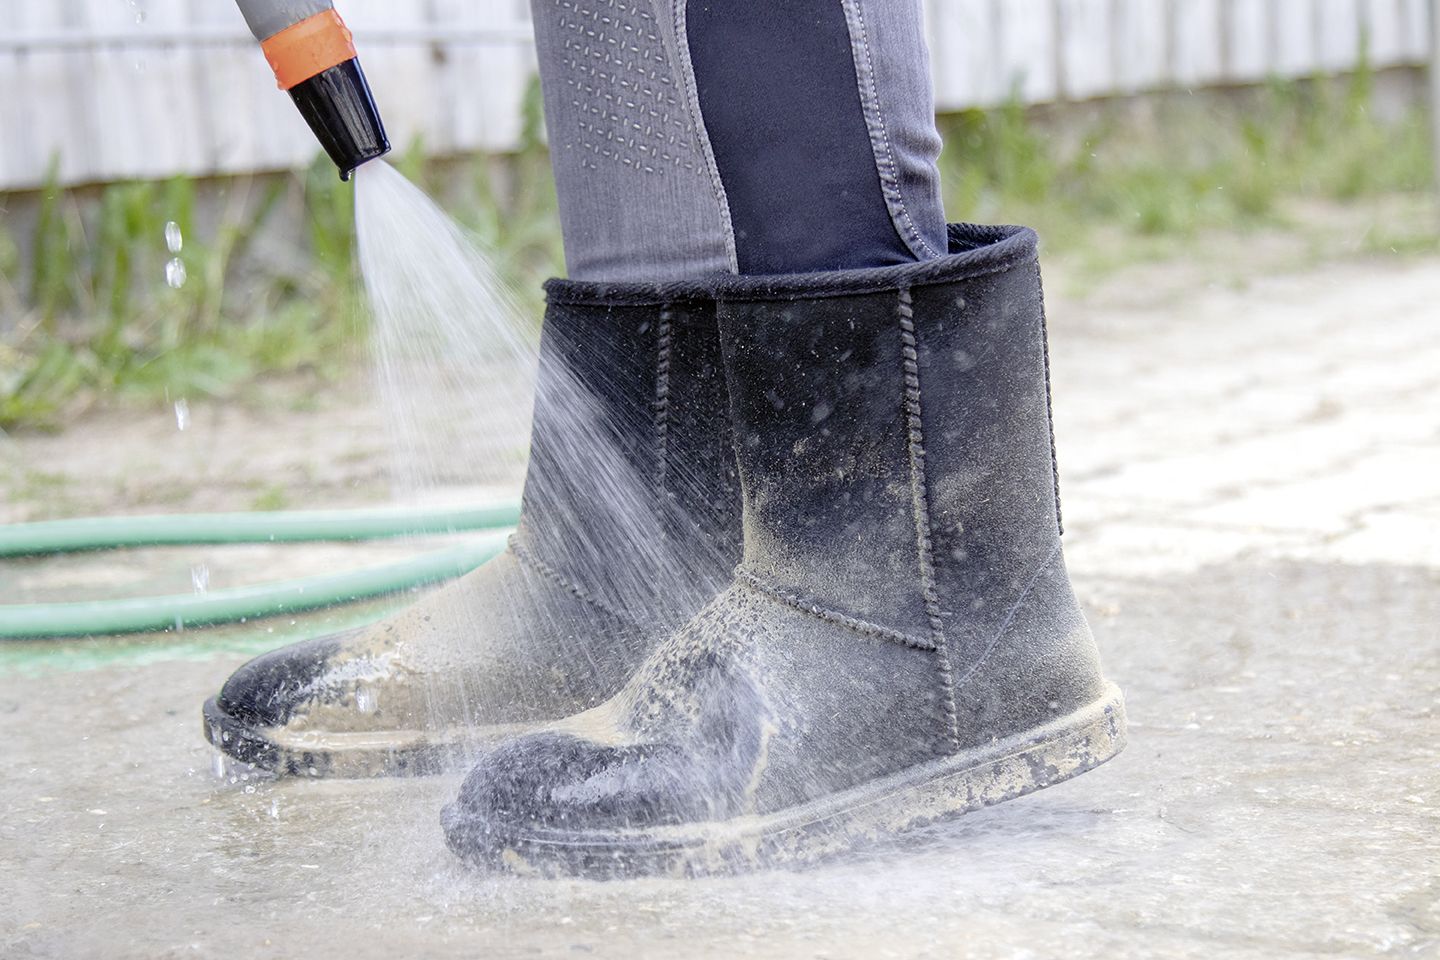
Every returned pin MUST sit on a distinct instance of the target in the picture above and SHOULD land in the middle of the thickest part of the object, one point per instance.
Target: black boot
(631, 522)
(900, 644)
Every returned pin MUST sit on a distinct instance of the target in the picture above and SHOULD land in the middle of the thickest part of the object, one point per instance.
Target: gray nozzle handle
(268, 17)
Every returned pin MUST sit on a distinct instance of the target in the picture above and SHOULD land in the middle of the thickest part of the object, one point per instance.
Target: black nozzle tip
(340, 110)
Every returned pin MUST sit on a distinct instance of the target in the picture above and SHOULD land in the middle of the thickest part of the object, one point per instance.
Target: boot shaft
(631, 452)
(894, 442)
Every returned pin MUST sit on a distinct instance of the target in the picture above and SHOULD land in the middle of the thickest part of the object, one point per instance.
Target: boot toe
(557, 783)
(267, 691)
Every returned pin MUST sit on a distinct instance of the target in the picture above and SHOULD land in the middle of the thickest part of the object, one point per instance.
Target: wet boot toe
(555, 783)
(267, 691)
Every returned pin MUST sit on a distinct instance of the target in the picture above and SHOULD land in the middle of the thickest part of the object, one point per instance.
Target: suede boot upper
(902, 606)
(630, 523)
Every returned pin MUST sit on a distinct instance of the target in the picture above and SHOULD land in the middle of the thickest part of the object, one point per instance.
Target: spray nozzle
(313, 56)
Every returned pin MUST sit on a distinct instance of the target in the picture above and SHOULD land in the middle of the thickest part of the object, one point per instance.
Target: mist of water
(455, 356)
(458, 369)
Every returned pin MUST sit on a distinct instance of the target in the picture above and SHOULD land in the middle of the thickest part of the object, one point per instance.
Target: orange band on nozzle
(309, 48)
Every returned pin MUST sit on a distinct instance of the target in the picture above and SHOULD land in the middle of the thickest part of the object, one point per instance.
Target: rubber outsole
(929, 793)
(343, 756)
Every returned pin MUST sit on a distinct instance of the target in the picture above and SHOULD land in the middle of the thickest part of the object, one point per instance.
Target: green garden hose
(143, 614)
(103, 533)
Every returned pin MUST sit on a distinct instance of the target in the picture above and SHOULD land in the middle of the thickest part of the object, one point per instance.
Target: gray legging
(694, 137)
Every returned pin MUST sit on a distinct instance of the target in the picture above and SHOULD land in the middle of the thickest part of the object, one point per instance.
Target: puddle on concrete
(1281, 796)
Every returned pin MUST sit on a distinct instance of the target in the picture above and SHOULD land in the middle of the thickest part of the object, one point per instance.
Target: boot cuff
(599, 293)
(975, 251)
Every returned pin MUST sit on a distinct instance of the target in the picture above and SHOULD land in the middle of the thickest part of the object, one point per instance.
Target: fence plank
(43, 90)
(1140, 53)
(151, 110)
(15, 145)
(1086, 61)
(1197, 42)
(1381, 21)
(120, 146)
(1248, 47)
(1416, 29)
(964, 41)
(1338, 43)
(1027, 34)
(1293, 23)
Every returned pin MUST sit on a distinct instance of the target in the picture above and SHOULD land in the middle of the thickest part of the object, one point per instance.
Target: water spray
(313, 55)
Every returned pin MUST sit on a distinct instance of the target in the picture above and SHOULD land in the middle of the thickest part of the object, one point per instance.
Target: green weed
(92, 316)
(273, 497)
(98, 316)
(1176, 164)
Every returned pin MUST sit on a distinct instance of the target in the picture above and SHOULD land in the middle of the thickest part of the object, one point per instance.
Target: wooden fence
(148, 88)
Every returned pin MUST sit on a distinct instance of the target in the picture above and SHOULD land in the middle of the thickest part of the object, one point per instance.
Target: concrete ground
(1252, 491)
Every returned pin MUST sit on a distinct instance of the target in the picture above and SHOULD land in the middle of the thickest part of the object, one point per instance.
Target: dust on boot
(630, 523)
(900, 644)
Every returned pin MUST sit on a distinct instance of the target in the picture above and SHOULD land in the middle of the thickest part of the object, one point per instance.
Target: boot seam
(1049, 403)
(810, 607)
(920, 506)
(524, 555)
(664, 348)
(1009, 617)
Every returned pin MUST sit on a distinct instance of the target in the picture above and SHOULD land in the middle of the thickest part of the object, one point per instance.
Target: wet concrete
(1254, 513)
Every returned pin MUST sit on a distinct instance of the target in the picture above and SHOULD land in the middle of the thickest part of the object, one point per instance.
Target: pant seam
(885, 166)
(920, 505)
(685, 75)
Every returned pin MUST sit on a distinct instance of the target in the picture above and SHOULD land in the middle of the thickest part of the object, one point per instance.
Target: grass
(1176, 165)
(94, 315)
(90, 316)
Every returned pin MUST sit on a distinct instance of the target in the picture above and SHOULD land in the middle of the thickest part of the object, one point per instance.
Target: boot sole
(925, 794)
(345, 756)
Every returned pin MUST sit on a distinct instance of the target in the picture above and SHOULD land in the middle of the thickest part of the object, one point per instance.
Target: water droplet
(200, 577)
(175, 273)
(174, 240)
(182, 413)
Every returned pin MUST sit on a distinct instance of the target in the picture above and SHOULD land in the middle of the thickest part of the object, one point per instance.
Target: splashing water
(458, 369)
(455, 358)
